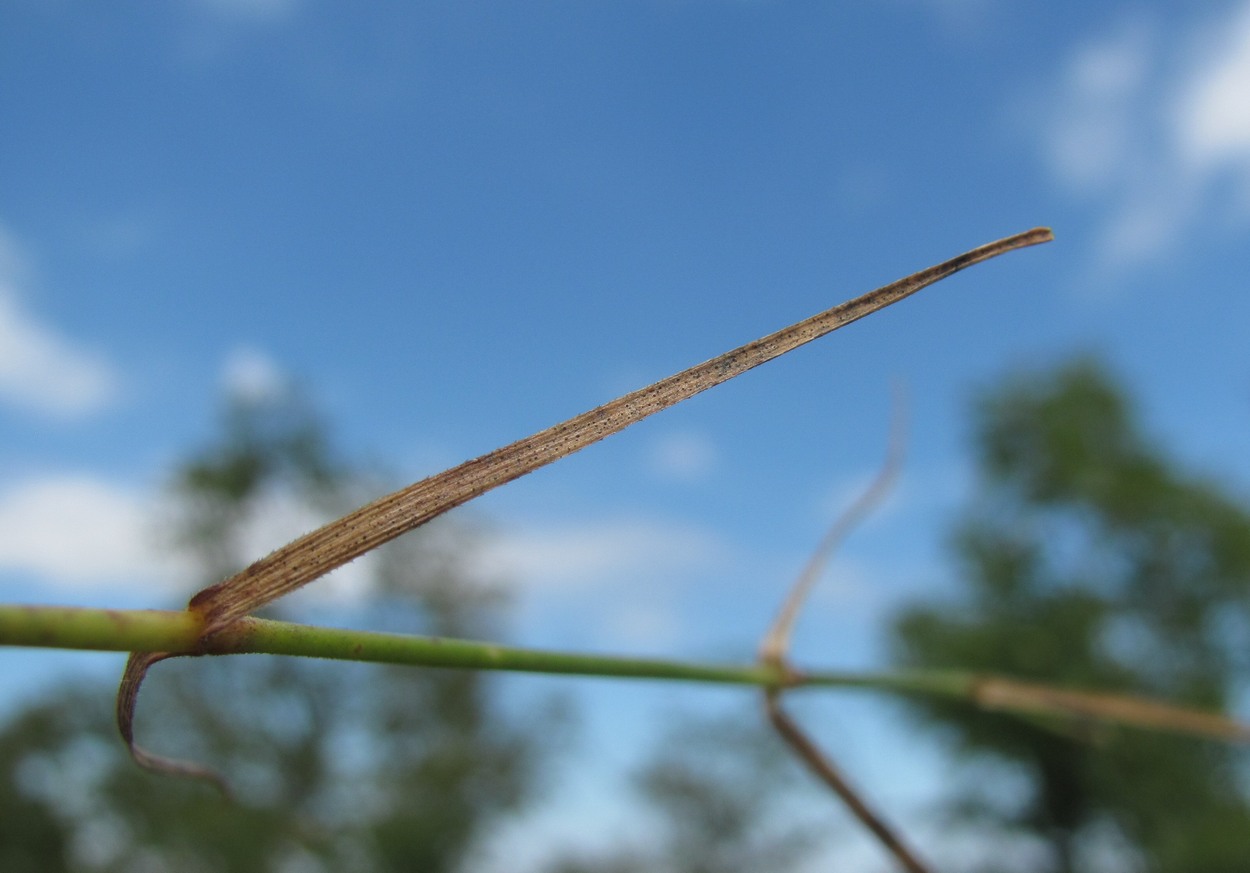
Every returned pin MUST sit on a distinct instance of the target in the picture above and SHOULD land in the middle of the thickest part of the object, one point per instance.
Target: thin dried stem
(825, 770)
(996, 693)
(777, 641)
(775, 648)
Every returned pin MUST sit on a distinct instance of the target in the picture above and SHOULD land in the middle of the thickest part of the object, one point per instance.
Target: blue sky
(458, 223)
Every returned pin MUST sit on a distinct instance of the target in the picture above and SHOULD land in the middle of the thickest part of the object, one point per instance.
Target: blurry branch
(827, 772)
(177, 632)
(222, 605)
(1023, 698)
(777, 641)
(775, 648)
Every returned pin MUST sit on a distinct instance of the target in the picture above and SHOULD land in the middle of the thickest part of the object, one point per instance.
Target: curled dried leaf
(127, 696)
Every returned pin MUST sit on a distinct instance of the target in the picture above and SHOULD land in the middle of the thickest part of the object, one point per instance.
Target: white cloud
(119, 236)
(252, 376)
(963, 20)
(850, 489)
(587, 554)
(251, 11)
(685, 457)
(13, 262)
(1094, 125)
(1145, 123)
(278, 517)
(77, 531)
(39, 369)
(1213, 117)
(648, 626)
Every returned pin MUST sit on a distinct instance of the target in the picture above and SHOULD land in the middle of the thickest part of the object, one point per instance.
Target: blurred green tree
(336, 766)
(722, 795)
(1090, 558)
(723, 791)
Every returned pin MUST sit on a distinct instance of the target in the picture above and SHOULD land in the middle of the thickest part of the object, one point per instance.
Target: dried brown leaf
(317, 553)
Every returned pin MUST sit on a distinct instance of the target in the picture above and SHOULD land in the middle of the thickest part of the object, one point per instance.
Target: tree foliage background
(1089, 557)
(340, 766)
(336, 766)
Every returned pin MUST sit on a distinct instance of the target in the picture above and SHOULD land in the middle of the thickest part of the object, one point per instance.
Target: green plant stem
(180, 633)
(145, 630)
